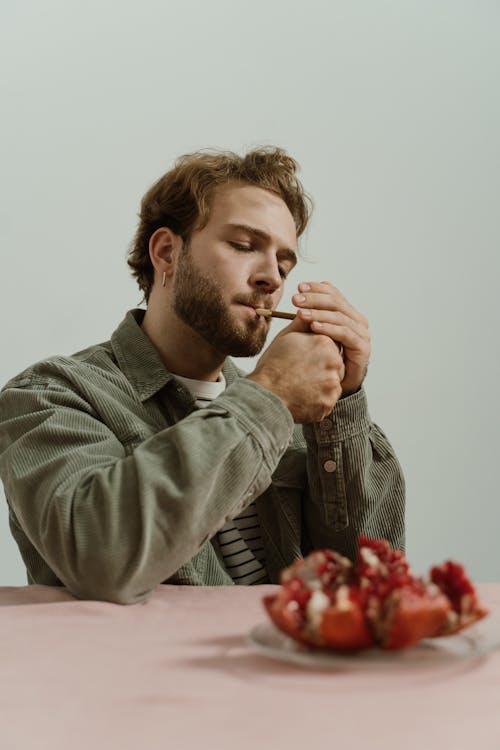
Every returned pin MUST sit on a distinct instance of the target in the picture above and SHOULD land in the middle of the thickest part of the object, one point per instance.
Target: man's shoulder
(62, 369)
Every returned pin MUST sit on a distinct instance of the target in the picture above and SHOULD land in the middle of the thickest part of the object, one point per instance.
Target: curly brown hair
(181, 199)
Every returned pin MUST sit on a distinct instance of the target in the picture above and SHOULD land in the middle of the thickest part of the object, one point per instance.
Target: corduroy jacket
(115, 481)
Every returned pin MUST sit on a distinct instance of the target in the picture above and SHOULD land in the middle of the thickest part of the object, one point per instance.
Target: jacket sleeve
(355, 482)
(113, 523)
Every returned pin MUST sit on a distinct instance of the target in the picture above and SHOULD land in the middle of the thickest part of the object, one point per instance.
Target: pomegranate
(326, 601)
(451, 578)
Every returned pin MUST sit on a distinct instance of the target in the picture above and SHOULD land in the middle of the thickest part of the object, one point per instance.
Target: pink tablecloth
(175, 672)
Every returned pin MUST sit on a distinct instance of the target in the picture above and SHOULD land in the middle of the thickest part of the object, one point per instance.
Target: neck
(182, 350)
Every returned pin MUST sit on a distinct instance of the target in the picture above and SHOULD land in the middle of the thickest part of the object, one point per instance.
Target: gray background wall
(392, 109)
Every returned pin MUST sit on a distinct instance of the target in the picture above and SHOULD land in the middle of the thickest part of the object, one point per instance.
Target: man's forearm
(112, 526)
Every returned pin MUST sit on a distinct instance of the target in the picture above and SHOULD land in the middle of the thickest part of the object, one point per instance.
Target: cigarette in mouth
(274, 313)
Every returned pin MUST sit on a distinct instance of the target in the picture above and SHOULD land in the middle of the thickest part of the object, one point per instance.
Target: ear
(164, 249)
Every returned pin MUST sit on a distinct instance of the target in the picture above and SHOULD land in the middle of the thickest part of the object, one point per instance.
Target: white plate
(472, 643)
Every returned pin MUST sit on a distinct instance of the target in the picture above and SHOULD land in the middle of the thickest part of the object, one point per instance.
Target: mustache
(255, 300)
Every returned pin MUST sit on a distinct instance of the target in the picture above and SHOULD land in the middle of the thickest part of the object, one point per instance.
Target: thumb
(296, 326)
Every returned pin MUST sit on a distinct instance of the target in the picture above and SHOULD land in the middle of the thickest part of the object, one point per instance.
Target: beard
(198, 302)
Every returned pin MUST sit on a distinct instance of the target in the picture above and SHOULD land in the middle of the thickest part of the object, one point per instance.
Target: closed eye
(240, 246)
(249, 248)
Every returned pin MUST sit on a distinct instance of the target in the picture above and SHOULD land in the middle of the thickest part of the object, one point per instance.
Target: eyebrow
(286, 252)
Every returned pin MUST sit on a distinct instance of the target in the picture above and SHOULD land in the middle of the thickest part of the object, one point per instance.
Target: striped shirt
(240, 539)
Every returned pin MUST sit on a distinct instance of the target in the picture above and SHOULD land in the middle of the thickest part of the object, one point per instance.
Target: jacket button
(329, 466)
(326, 424)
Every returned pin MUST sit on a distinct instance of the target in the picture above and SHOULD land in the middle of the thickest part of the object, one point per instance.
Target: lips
(253, 307)
(255, 302)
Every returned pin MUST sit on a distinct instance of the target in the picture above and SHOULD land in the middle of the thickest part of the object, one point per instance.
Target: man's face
(236, 263)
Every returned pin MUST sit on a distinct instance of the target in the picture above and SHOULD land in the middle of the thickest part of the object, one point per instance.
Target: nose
(266, 276)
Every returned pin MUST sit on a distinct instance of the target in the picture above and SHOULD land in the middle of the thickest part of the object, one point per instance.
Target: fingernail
(305, 287)
(317, 325)
(306, 313)
(300, 298)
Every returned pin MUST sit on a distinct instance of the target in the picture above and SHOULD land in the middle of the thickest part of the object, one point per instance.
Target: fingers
(337, 326)
(328, 313)
(321, 295)
(305, 370)
(302, 324)
(326, 353)
(333, 318)
(356, 348)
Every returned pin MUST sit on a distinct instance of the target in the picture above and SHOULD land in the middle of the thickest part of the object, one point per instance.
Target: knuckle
(335, 361)
(335, 384)
(322, 341)
(328, 287)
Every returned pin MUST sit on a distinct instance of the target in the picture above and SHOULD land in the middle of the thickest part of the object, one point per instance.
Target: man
(151, 458)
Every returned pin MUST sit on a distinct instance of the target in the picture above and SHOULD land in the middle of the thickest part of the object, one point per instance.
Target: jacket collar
(140, 362)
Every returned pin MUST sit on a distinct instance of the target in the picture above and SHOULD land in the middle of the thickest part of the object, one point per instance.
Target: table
(175, 672)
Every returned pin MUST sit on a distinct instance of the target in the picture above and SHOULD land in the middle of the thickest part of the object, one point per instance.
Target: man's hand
(304, 370)
(327, 312)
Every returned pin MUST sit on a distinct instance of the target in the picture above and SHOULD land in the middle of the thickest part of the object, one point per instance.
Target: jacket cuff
(261, 413)
(348, 417)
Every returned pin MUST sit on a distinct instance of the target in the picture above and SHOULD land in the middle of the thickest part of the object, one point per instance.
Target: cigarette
(274, 313)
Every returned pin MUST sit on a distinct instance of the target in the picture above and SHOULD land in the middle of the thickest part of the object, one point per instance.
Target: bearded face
(199, 302)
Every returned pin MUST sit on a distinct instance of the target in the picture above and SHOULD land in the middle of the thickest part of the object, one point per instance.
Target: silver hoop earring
(164, 278)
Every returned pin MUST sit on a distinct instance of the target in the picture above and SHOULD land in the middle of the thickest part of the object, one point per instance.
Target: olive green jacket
(115, 481)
